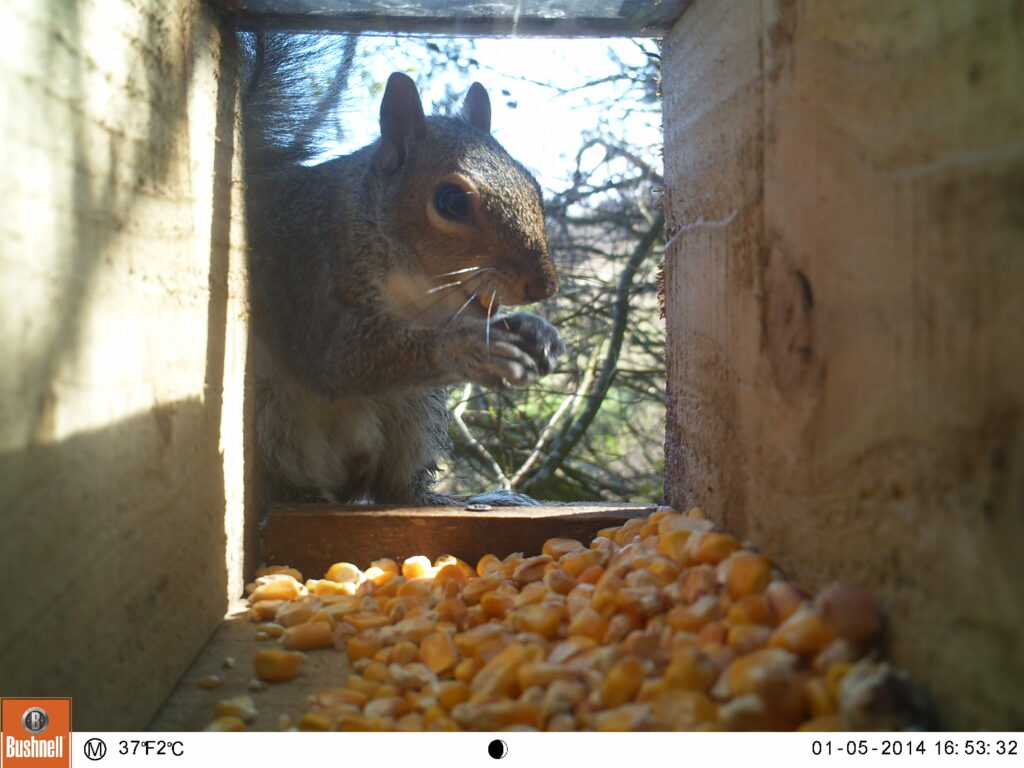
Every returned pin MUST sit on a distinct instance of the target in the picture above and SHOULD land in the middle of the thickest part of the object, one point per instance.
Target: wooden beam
(635, 19)
(311, 537)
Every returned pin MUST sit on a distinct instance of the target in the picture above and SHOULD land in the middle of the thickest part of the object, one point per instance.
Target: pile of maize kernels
(660, 624)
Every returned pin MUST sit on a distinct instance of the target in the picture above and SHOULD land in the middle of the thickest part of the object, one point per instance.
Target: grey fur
(366, 305)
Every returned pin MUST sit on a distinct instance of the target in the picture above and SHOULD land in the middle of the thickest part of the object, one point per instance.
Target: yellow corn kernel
(277, 665)
(711, 547)
(305, 637)
(746, 573)
(672, 544)
(377, 672)
(576, 563)
(488, 564)
(418, 590)
(297, 611)
(557, 548)
(385, 690)
(558, 581)
(277, 587)
(628, 530)
(560, 722)
(834, 678)
(498, 676)
(752, 609)
(697, 581)
(240, 707)
(496, 604)
(417, 567)
(530, 569)
(644, 601)
(744, 638)
(591, 575)
(361, 685)
(339, 606)
(269, 570)
(387, 566)
(623, 681)
(211, 681)
(445, 560)
(628, 717)
(439, 652)
(386, 707)
(589, 623)
(467, 642)
(466, 670)
(571, 647)
(363, 723)
(451, 692)
(803, 633)
(783, 599)
(324, 588)
(227, 723)
(816, 695)
(480, 586)
(690, 668)
(532, 593)
(540, 618)
(454, 572)
(542, 673)
(363, 645)
(386, 587)
(403, 652)
(262, 610)
(752, 672)
(343, 573)
(315, 721)
(620, 625)
(679, 709)
(490, 648)
(363, 620)
(452, 609)
(336, 697)
(690, 618)
(828, 722)
(713, 633)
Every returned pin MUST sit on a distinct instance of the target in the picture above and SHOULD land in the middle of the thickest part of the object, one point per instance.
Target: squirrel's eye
(452, 202)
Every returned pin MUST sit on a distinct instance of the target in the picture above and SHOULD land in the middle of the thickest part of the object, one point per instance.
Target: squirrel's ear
(476, 110)
(401, 118)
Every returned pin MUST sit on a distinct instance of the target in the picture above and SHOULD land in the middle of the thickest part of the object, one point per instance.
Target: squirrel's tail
(292, 89)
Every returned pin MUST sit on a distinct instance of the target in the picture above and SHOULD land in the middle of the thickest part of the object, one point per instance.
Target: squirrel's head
(471, 213)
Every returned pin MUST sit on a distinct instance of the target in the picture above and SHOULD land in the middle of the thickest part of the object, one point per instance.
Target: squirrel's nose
(538, 287)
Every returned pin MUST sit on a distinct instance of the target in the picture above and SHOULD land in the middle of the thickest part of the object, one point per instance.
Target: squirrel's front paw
(535, 336)
(493, 357)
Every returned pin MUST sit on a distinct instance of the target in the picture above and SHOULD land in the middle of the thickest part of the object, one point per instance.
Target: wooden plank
(190, 707)
(124, 335)
(635, 18)
(845, 310)
(311, 537)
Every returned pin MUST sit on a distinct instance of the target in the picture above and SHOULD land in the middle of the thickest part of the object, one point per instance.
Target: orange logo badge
(36, 733)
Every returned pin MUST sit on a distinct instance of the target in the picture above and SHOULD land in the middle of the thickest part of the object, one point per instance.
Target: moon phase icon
(497, 749)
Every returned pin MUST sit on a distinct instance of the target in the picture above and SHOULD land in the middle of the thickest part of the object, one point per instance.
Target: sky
(544, 131)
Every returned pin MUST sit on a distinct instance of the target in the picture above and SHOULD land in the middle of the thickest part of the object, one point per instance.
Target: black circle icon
(497, 749)
(95, 749)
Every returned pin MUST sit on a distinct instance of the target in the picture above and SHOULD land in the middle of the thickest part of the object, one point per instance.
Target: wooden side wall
(845, 293)
(123, 335)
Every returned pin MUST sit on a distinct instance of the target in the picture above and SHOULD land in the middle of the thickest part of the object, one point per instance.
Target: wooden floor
(311, 538)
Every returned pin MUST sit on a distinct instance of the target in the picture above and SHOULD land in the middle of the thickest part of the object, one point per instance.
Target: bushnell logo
(35, 720)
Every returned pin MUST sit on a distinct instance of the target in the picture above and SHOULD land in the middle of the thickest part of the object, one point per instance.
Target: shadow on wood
(311, 537)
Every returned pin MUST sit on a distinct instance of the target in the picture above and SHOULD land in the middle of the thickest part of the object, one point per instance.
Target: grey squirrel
(375, 284)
